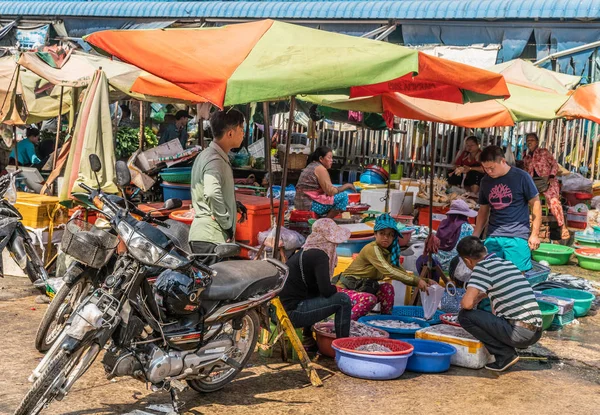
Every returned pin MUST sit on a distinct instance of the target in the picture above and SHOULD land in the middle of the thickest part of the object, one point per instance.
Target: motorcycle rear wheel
(249, 330)
(57, 314)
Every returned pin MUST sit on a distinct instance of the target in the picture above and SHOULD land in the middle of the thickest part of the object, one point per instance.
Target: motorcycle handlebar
(86, 187)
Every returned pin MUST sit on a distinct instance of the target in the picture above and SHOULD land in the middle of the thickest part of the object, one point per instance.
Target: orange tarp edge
(153, 85)
(440, 79)
(583, 103)
(196, 50)
(471, 115)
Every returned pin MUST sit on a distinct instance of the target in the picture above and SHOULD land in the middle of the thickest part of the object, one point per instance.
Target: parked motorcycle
(82, 275)
(15, 237)
(162, 315)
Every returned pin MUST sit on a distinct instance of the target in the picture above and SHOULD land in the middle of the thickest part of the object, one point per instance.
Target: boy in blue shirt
(504, 197)
(26, 155)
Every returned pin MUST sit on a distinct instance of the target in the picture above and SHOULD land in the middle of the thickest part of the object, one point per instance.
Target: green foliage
(128, 140)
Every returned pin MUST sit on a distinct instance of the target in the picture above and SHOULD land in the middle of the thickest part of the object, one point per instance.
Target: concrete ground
(561, 374)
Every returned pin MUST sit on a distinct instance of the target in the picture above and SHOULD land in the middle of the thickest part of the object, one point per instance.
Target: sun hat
(460, 207)
(330, 230)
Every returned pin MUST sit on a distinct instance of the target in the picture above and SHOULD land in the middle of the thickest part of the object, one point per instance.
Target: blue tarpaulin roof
(311, 9)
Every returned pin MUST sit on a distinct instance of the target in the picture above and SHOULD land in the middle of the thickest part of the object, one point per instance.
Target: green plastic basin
(548, 310)
(587, 260)
(583, 299)
(552, 253)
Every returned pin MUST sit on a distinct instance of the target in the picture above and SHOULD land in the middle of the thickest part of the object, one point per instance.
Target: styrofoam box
(470, 352)
(401, 203)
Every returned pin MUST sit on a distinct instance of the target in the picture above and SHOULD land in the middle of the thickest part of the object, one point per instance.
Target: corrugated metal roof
(312, 9)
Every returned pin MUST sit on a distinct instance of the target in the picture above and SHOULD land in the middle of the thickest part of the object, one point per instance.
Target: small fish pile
(395, 324)
(357, 330)
(373, 348)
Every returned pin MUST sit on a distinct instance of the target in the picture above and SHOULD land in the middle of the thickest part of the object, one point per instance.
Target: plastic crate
(416, 312)
(537, 274)
(562, 320)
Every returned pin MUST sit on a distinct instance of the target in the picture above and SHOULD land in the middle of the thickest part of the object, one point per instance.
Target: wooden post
(16, 147)
(58, 125)
(284, 179)
(141, 134)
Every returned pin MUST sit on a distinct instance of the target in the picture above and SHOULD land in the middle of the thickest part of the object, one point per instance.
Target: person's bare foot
(564, 233)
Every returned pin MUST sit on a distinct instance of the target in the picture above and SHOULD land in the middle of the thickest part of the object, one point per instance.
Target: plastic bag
(509, 155)
(11, 192)
(576, 183)
(288, 238)
(432, 301)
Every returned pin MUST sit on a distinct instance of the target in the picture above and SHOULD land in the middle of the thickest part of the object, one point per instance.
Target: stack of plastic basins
(470, 352)
(565, 314)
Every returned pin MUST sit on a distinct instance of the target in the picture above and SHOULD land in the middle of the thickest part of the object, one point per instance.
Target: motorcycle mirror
(171, 204)
(95, 163)
(227, 250)
(123, 174)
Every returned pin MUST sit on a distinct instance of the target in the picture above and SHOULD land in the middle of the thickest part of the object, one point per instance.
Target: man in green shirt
(213, 192)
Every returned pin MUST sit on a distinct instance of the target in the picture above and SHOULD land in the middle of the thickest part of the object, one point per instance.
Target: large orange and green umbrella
(268, 60)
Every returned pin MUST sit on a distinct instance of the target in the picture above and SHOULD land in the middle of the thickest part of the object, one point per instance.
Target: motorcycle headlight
(124, 230)
(170, 261)
(144, 250)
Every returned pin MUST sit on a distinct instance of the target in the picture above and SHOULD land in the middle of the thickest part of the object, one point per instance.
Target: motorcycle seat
(239, 280)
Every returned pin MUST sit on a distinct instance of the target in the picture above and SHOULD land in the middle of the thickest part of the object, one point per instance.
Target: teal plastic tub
(179, 175)
(548, 310)
(554, 254)
(583, 299)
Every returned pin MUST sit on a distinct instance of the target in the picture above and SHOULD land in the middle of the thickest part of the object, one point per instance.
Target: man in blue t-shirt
(25, 154)
(505, 195)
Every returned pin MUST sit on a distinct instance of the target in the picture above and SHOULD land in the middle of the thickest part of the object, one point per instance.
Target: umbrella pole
(141, 135)
(284, 178)
(389, 182)
(432, 145)
(267, 138)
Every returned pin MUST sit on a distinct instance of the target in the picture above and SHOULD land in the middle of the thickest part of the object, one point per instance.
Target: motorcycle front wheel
(245, 341)
(58, 312)
(60, 374)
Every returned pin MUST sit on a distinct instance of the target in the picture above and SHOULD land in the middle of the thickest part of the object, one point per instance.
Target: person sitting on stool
(516, 321)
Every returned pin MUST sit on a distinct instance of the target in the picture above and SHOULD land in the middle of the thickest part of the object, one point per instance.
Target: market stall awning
(524, 104)
(268, 60)
(584, 102)
(526, 74)
(25, 97)
(79, 68)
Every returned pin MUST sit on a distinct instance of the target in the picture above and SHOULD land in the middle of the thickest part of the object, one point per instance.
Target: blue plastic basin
(395, 333)
(353, 246)
(370, 177)
(371, 366)
(429, 356)
(171, 191)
